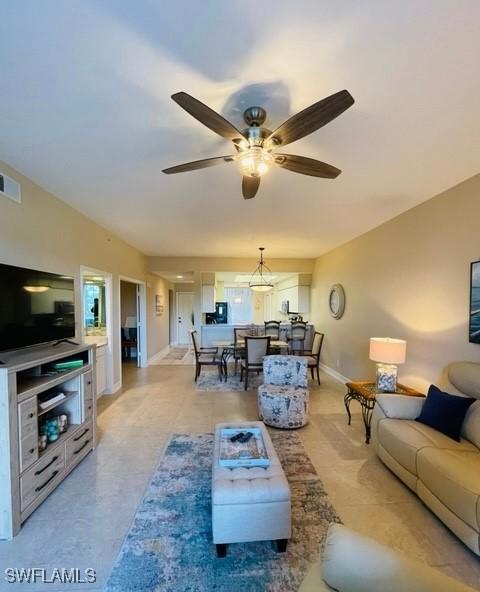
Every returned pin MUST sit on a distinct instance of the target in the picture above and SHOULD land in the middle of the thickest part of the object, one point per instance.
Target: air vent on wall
(10, 188)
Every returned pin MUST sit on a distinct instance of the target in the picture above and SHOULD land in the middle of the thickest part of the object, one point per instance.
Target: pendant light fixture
(258, 281)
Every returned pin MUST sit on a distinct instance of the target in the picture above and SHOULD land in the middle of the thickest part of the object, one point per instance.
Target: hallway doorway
(132, 312)
(129, 322)
(184, 317)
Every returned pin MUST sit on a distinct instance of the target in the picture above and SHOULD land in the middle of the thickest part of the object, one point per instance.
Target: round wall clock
(336, 301)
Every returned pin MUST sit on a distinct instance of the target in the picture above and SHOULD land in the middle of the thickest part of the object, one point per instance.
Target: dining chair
(239, 344)
(272, 329)
(313, 356)
(205, 356)
(256, 348)
(298, 333)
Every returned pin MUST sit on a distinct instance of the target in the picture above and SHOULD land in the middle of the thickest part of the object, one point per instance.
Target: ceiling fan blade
(311, 119)
(197, 164)
(306, 166)
(207, 116)
(250, 186)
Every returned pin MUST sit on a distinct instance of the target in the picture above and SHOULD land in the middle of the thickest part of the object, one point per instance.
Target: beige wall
(408, 278)
(45, 233)
(158, 325)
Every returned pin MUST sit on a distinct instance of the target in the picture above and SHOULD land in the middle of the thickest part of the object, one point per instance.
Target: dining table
(228, 349)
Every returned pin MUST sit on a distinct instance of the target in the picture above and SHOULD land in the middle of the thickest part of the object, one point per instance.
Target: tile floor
(82, 524)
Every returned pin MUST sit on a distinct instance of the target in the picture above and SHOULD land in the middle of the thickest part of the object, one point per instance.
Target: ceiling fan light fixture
(36, 289)
(261, 287)
(258, 281)
(255, 162)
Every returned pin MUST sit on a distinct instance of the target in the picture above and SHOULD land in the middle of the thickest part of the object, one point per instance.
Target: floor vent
(10, 188)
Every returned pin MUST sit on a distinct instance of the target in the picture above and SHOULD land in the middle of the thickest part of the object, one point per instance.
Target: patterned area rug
(176, 356)
(176, 353)
(209, 381)
(169, 546)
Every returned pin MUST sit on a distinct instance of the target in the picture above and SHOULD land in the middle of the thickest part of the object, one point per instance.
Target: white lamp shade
(388, 351)
(130, 323)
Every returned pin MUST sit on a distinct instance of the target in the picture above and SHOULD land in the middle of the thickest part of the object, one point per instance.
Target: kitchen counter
(221, 332)
(98, 340)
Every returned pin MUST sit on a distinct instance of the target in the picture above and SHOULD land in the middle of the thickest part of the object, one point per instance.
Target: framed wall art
(474, 325)
(159, 308)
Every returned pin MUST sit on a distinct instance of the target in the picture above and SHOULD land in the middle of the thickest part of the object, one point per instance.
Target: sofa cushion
(402, 439)
(471, 424)
(354, 563)
(399, 406)
(453, 476)
(445, 412)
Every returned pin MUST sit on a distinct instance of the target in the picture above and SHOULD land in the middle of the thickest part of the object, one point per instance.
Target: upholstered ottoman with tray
(249, 503)
(283, 399)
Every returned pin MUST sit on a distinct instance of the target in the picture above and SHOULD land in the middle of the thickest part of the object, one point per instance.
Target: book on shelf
(52, 400)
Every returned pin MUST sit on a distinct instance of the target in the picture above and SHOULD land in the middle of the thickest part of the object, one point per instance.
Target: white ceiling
(183, 277)
(85, 112)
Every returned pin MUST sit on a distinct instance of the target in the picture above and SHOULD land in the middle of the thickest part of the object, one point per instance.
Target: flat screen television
(35, 307)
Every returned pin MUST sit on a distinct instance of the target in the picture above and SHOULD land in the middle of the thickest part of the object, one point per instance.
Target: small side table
(365, 393)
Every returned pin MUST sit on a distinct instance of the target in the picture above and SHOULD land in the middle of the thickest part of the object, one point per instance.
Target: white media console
(29, 395)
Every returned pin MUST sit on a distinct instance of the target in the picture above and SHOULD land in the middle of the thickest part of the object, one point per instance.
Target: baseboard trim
(334, 374)
(159, 355)
(115, 388)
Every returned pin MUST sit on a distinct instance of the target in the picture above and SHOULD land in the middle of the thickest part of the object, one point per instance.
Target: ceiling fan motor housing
(255, 116)
(256, 135)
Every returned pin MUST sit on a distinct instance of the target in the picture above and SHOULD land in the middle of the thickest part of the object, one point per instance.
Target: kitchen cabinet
(303, 299)
(101, 371)
(298, 298)
(208, 298)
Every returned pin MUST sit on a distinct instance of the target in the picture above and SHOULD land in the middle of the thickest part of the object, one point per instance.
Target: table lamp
(387, 353)
(130, 323)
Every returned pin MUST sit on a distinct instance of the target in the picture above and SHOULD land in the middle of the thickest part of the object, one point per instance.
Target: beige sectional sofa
(354, 563)
(444, 473)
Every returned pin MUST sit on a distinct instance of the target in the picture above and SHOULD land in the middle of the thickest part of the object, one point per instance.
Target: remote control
(237, 436)
(246, 437)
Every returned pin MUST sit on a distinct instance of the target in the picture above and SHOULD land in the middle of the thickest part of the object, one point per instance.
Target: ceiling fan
(256, 145)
